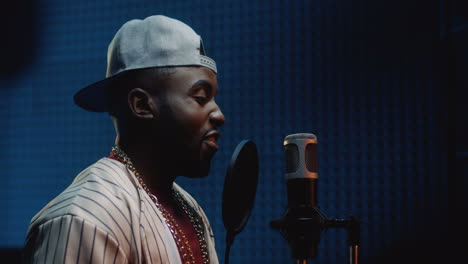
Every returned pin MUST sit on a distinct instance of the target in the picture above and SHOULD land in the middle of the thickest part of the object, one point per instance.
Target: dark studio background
(374, 80)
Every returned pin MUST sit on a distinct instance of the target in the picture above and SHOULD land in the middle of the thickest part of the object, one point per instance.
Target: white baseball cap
(156, 41)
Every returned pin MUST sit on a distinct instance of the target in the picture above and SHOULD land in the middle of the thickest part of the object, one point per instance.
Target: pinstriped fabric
(104, 216)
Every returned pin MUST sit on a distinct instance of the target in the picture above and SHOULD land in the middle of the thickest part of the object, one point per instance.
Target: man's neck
(147, 163)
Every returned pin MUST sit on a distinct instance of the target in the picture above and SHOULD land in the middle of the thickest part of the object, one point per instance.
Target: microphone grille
(311, 157)
(301, 154)
(292, 157)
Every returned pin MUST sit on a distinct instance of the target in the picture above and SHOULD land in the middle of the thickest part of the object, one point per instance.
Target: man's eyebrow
(205, 84)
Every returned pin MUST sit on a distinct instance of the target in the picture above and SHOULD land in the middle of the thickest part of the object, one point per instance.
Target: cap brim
(94, 97)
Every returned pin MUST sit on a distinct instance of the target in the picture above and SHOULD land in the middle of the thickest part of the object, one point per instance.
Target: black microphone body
(302, 192)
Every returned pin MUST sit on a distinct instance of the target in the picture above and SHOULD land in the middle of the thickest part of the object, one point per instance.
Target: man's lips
(210, 139)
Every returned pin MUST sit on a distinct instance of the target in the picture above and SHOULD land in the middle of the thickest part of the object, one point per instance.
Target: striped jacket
(105, 216)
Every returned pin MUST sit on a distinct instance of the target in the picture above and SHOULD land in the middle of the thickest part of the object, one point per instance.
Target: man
(160, 93)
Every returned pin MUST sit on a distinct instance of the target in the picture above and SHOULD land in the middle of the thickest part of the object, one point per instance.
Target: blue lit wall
(364, 76)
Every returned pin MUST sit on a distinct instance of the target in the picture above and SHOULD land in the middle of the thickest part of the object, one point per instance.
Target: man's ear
(142, 104)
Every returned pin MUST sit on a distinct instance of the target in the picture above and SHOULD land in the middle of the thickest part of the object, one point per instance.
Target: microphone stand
(353, 226)
(301, 226)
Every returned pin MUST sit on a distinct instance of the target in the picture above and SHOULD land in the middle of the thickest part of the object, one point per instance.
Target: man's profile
(159, 91)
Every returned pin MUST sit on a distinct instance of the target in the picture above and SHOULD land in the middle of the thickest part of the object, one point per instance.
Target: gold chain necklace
(181, 240)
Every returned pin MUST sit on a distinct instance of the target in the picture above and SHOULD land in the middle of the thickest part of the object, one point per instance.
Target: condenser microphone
(301, 169)
(302, 222)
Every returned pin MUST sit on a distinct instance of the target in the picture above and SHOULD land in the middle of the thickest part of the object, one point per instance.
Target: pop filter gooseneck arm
(240, 187)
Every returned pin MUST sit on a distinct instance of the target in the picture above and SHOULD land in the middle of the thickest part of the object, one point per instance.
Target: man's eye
(202, 99)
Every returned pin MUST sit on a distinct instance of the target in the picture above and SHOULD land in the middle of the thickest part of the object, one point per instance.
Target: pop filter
(240, 187)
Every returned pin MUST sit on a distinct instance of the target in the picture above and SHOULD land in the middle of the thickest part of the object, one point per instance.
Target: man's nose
(217, 117)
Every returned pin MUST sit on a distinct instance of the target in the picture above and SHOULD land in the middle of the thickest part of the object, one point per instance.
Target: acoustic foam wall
(364, 77)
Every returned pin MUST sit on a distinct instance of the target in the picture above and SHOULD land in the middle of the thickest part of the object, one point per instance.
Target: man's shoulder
(102, 194)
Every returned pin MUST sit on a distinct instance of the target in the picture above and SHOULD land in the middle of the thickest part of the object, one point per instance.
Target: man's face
(189, 118)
